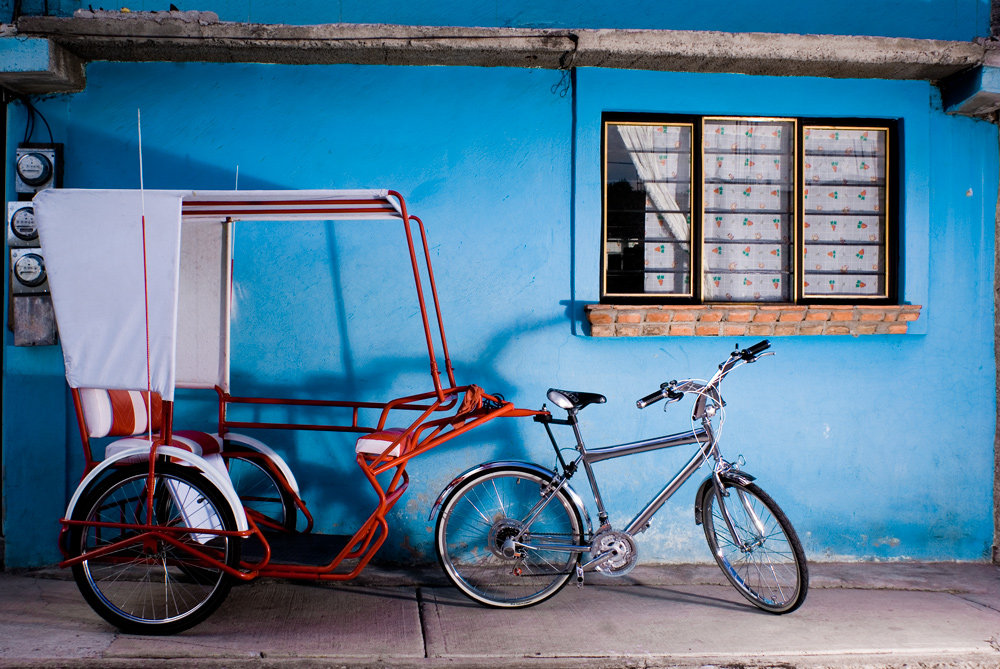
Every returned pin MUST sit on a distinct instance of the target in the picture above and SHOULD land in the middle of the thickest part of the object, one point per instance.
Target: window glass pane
(749, 177)
(648, 209)
(844, 223)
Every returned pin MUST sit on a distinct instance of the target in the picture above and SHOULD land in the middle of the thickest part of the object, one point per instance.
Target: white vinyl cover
(92, 242)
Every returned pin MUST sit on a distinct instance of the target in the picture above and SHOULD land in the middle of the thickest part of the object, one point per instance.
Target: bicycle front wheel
(478, 524)
(769, 569)
(149, 585)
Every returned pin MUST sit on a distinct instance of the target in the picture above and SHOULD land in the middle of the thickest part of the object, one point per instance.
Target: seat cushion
(375, 443)
(118, 413)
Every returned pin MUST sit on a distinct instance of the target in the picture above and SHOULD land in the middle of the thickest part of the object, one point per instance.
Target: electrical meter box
(27, 272)
(37, 166)
(21, 230)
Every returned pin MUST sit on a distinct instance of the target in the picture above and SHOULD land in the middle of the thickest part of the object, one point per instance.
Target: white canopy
(92, 244)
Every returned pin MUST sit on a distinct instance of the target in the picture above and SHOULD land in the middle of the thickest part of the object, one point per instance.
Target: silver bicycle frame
(704, 437)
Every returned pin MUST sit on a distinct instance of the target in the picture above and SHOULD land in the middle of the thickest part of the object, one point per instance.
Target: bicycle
(512, 534)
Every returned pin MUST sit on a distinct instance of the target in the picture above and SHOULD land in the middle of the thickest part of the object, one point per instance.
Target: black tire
(260, 491)
(488, 508)
(772, 574)
(154, 587)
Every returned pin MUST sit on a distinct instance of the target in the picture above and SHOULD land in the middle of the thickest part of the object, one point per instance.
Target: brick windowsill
(725, 320)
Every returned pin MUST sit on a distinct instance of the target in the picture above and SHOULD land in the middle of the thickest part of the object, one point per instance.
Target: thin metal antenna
(237, 178)
(145, 284)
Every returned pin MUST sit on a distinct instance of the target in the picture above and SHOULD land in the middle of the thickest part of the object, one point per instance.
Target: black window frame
(892, 244)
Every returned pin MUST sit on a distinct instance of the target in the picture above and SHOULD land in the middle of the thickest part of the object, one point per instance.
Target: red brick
(602, 330)
(765, 317)
(659, 316)
(707, 330)
(837, 330)
(713, 316)
(792, 316)
(681, 330)
(661, 330)
(865, 329)
(812, 315)
(782, 307)
(897, 329)
(629, 317)
(687, 314)
(628, 330)
(739, 316)
(909, 316)
(811, 330)
(891, 316)
(604, 316)
(760, 330)
(842, 315)
(785, 330)
(869, 316)
(734, 330)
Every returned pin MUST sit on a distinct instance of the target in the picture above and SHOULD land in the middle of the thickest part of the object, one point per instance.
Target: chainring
(626, 552)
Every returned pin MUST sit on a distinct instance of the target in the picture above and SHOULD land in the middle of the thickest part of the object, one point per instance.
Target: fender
(221, 482)
(263, 449)
(732, 476)
(501, 464)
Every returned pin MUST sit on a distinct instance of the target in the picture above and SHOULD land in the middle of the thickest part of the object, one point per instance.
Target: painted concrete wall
(955, 20)
(876, 447)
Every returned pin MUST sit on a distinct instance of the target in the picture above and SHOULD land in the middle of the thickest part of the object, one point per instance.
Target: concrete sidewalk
(856, 615)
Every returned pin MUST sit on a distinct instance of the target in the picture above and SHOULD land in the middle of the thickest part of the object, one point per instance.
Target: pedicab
(159, 529)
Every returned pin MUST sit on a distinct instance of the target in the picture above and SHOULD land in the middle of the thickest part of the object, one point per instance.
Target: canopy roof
(92, 241)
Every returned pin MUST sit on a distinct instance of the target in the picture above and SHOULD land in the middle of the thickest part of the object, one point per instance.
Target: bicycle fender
(699, 499)
(262, 448)
(224, 485)
(502, 464)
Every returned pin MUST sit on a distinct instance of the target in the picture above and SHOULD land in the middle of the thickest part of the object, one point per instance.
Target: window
(748, 210)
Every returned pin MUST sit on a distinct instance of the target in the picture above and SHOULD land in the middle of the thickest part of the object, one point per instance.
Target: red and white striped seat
(119, 413)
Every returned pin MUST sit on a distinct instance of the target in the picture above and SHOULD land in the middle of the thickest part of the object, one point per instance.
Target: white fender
(264, 449)
(221, 482)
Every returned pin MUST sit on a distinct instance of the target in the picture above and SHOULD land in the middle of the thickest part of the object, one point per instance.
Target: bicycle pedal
(579, 576)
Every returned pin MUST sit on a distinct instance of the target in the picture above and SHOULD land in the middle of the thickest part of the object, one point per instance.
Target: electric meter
(37, 167)
(27, 267)
(21, 229)
(34, 168)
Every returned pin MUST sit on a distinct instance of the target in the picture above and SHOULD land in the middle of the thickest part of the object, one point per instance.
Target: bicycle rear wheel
(478, 519)
(151, 586)
(770, 569)
(262, 494)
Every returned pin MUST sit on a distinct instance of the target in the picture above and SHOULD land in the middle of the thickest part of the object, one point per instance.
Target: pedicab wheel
(151, 586)
(770, 568)
(475, 534)
(263, 496)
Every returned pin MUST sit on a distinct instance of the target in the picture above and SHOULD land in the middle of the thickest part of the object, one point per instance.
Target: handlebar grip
(756, 349)
(651, 398)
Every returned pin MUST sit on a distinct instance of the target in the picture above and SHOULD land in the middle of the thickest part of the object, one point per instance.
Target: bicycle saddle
(574, 400)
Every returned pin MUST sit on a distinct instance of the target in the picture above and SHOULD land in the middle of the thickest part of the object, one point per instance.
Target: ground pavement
(856, 615)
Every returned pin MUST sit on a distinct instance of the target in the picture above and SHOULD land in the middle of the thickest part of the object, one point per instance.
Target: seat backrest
(119, 413)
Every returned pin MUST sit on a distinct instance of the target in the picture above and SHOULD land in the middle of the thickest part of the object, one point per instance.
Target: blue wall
(929, 19)
(864, 441)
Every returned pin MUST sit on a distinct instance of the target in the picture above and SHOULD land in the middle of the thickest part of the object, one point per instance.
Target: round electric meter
(30, 270)
(22, 224)
(35, 169)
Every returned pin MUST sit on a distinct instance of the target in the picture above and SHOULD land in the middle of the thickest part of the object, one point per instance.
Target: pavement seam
(420, 617)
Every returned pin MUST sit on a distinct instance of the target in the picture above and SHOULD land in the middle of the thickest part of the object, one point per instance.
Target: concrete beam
(36, 65)
(975, 92)
(199, 36)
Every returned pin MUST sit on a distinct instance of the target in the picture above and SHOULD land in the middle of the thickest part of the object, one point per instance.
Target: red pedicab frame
(472, 406)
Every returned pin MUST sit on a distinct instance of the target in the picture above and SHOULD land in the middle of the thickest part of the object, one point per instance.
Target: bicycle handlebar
(651, 398)
(749, 354)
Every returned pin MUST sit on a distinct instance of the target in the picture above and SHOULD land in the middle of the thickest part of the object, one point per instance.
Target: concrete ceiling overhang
(201, 37)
